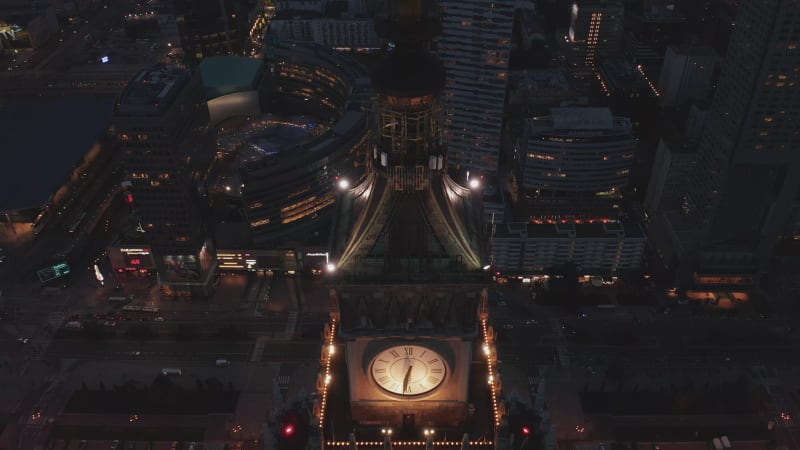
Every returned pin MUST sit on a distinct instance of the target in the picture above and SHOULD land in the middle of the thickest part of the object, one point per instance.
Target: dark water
(42, 139)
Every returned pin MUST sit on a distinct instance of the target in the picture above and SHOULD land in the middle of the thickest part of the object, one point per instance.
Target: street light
(343, 184)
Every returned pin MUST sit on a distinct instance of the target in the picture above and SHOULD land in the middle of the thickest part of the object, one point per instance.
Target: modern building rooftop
(540, 79)
(612, 230)
(154, 87)
(619, 77)
(589, 118)
(224, 75)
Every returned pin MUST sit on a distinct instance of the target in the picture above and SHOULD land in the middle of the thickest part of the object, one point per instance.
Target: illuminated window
(258, 223)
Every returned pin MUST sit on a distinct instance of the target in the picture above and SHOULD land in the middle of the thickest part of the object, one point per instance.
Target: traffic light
(526, 430)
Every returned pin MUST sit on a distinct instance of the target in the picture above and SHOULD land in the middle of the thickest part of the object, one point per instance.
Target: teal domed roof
(224, 75)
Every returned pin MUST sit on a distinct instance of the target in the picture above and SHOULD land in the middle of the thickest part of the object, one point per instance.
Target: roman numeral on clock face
(408, 370)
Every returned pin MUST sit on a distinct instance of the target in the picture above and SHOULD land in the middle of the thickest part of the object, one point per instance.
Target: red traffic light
(288, 430)
(526, 430)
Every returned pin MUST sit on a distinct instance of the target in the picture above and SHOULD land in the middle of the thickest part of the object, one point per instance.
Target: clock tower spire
(409, 219)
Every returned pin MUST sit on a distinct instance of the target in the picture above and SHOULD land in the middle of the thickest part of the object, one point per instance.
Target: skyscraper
(687, 74)
(743, 197)
(474, 47)
(214, 27)
(155, 119)
(595, 30)
(577, 160)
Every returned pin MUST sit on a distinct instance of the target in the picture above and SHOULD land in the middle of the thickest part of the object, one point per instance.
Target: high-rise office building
(595, 30)
(156, 119)
(576, 162)
(687, 74)
(744, 196)
(214, 27)
(474, 46)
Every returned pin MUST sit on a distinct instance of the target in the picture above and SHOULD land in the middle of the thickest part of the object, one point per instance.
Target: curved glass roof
(224, 75)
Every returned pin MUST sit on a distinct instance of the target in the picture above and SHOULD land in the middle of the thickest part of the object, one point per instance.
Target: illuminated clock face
(408, 370)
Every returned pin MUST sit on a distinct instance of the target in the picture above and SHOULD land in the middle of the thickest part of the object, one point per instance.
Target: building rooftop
(155, 86)
(224, 75)
(540, 79)
(609, 230)
(589, 118)
(620, 77)
(695, 50)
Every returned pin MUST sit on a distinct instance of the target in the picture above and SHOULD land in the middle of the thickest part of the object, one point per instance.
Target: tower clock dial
(408, 370)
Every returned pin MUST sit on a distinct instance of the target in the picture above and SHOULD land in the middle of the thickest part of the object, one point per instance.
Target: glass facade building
(474, 47)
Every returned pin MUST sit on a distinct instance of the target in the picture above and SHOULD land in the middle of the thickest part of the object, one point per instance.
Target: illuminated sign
(230, 260)
(53, 272)
(131, 258)
(135, 251)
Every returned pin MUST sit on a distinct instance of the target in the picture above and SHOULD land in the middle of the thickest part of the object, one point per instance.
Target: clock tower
(409, 351)
(408, 299)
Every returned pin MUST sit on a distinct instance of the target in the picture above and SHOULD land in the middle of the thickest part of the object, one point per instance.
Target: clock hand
(406, 379)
